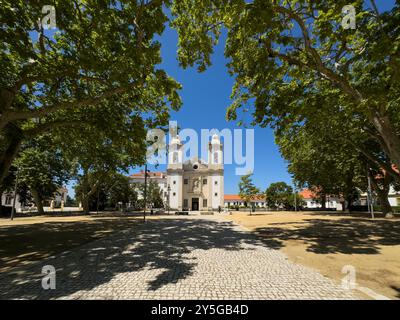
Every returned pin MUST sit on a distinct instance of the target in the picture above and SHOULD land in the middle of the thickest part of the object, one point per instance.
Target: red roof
(140, 175)
(308, 194)
(236, 197)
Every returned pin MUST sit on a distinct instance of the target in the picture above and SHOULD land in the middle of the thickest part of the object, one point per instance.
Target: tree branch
(319, 65)
(9, 116)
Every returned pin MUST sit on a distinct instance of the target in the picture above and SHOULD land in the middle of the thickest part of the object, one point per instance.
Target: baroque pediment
(194, 164)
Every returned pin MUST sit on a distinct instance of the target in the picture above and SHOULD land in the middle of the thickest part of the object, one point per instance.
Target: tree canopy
(247, 190)
(101, 58)
(285, 54)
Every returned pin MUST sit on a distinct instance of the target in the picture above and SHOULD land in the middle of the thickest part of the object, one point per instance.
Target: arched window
(175, 157)
(215, 157)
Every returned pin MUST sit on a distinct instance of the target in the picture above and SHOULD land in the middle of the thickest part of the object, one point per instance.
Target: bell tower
(216, 173)
(175, 173)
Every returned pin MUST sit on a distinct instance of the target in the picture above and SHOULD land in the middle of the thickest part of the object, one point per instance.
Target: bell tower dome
(175, 154)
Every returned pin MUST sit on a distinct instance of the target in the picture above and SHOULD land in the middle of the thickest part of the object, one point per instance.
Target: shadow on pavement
(156, 244)
(348, 236)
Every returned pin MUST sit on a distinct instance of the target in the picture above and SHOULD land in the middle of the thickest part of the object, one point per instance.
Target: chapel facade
(196, 185)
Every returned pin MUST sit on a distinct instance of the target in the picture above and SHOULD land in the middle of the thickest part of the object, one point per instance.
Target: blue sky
(205, 100)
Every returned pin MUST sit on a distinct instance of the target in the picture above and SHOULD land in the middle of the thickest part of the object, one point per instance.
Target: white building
(7, 199)
(158, 177)
(311, 201)
(233, 200)
(194, 184)
(393, 197)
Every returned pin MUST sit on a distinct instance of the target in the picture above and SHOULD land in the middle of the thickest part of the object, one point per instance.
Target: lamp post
(145, 192)
(369, 195)
(15, 195)
(169, 190)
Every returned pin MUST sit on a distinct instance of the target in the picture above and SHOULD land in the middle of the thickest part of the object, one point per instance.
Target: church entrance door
(195, 204)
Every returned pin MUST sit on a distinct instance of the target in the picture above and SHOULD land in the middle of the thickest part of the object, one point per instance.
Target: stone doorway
(195, 204)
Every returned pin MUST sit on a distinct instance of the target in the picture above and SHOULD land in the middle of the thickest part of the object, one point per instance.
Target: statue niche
(196, 187)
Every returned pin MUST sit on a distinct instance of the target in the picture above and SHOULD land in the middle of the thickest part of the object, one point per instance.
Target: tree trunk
(345, 206)
(389, 136)
(1, 202)
(348, 203)
(87, 191)
(384, 202)
(323, 201)
(85, 204)
(14, 137)
(38, 201)
(383, 194)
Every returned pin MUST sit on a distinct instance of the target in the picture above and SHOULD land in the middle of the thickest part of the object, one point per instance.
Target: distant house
(158, 177)
(311, 200)
(393, 197)
(231, 200)
(7, 199)
(60, 195)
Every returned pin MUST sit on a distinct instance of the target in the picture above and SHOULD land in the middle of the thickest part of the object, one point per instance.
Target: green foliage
(70, 202)
(153, 194)
(42, 167)
(107, 190)
(247, 190)
(290, 58)
(97, 73)
(280, 195)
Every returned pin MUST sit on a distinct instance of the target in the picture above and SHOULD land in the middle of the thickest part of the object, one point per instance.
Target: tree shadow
(351, 214)
(397, 289)
(348, 236)
(31, 242)
(162, 246)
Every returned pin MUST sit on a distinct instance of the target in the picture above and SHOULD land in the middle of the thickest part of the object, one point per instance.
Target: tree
(279, 195)
(114, 188)
(43, 169)
(119, 190)
(247, 190)
(285, 52)
(321, 160)
(71, 202)
(154, 195)
(296, 202)
(102, 55)
(327, 152)
(7, 185)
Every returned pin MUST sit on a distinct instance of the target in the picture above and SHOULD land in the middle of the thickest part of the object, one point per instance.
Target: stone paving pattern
(174, 258)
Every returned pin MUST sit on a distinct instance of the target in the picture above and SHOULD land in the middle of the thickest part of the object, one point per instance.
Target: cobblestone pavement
(174, 258)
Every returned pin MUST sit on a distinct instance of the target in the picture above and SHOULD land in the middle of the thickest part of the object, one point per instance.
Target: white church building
(195, 185)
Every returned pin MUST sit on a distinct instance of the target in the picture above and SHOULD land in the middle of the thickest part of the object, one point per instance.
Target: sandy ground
(328, 242)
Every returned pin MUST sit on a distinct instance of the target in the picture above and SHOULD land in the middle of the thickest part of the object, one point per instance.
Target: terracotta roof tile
(236, 197)
(307, 194)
